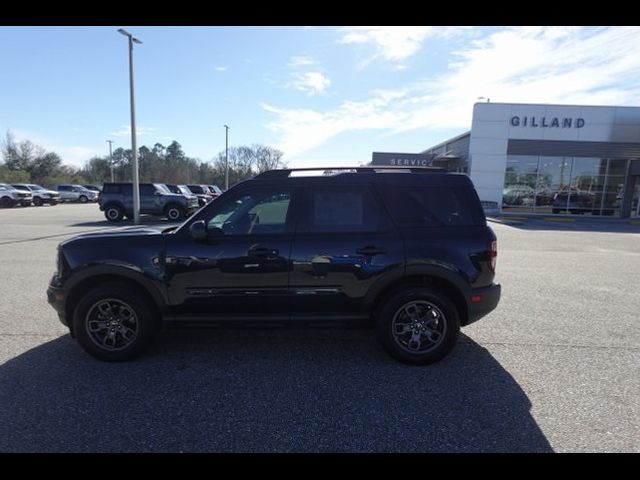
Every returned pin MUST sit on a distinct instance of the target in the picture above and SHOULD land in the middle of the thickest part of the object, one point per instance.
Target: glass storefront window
(575, 185)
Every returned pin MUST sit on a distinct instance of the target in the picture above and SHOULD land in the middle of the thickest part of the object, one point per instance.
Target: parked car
(76, 193)
(182, 190)
(116, 201)
(214, 190)
(11, 196)
(39, 194)
(93, 188)
(203, 193)
(410, 255)
(575, 203)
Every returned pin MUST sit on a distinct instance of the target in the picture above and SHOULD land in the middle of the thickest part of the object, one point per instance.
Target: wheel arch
(436, 280)
(88, 280)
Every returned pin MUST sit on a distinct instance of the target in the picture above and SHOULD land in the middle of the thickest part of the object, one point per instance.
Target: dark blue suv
(406, 251)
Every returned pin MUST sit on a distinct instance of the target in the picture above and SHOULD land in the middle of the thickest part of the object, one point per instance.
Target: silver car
(76, 193)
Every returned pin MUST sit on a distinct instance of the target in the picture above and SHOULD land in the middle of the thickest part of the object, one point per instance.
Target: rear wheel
(113, 213)
(418, 325)
(114, 322)
(37, 201)
(174, 213)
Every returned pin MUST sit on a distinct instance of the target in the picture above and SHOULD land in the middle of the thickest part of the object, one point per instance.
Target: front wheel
(83, 199)
(114, 323)
(175, 213)
(418, 325)
(37, 201)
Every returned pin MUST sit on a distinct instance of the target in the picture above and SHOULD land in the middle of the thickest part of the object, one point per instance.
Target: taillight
(493, 253)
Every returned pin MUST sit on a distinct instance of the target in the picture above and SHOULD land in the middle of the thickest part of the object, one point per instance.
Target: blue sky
(324, 95)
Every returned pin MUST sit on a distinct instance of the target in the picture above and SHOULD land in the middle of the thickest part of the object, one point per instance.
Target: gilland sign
(402, 159)
(544, 122)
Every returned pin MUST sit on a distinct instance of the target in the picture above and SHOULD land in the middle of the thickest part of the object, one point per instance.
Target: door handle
(263, 252)
(371, 250)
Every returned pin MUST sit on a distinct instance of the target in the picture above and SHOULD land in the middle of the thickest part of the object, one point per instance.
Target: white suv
(10, 197)
(40, 194)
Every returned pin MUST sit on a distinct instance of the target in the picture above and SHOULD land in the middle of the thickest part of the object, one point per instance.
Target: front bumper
(56, 298)
(486, 300)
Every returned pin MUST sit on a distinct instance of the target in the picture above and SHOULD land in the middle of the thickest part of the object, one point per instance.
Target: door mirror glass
(198, 230)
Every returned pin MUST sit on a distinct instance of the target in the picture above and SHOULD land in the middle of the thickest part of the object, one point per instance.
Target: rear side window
(434, 206)
(146, 189)
(111, 189)
(344, 209)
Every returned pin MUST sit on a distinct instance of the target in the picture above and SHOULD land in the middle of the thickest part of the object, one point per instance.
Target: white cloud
(302, 61)
(530, 65)
(312, 83)
(125, 131)
(221, 68)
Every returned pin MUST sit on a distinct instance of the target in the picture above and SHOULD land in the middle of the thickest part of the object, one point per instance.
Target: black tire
(86, 317)
(6, 202)
(53, 202)
(174, 213)
(37, 201)
(445, 322)
(113, 213)
(83, 199)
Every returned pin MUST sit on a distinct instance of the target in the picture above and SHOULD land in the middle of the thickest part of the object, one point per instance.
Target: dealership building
(549, 159)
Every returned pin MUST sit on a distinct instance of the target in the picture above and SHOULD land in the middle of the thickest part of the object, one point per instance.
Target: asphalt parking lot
(555, 368)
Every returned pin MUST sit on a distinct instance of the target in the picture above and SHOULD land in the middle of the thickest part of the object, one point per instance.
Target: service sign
(389, 159)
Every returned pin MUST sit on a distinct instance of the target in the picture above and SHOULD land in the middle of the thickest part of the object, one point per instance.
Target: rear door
(343, 244)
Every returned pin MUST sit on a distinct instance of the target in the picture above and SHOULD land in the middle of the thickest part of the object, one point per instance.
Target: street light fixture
(226, 158)
(134, 150)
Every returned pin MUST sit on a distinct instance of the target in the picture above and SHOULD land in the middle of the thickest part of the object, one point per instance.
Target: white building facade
(550, 159)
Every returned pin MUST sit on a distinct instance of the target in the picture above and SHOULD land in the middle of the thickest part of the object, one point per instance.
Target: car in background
(181, 190)
(215, 190)
(517, 195)
(203, 193)
(76, 193)
(40, 195)
(93, 188)
(574, 202)
(116, 201)
(11, 196)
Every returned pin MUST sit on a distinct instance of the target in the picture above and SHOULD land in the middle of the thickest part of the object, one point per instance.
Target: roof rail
(285, 172)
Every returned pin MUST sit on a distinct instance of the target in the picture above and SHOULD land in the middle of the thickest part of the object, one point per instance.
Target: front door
(242, 269)
(344, 243)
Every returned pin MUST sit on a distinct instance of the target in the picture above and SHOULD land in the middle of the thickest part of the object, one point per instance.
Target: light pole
(134, 150)
(226, 157)
(111, 160)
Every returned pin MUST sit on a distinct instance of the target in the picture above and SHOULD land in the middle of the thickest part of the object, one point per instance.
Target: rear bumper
(488, 301)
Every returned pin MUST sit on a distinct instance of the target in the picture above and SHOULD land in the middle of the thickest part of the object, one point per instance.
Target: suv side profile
(405, 251)
(76, 193)
(116, 201)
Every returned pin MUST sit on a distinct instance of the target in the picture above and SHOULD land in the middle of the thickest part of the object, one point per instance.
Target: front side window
(252, 213)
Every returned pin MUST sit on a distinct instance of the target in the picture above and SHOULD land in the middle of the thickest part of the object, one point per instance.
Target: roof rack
(285, 172)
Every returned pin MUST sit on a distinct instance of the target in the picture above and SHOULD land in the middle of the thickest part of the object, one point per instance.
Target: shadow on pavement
(577, 224)
(263, 390)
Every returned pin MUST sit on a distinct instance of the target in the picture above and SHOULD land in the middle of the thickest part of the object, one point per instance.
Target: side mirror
(198, 230)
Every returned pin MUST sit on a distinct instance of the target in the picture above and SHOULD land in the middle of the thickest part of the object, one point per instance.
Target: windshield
(216, 189)
(35, 187)
(184, 190)
(162, 187)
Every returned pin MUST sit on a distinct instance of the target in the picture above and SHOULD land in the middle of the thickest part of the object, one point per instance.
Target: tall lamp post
(226, 157)
(111, 160)
(134, 150)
